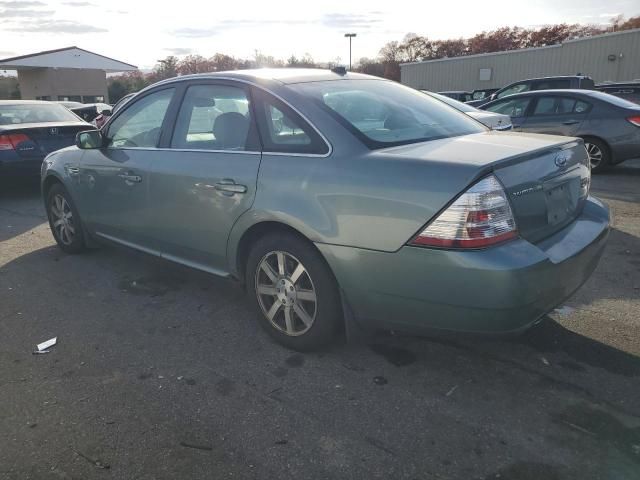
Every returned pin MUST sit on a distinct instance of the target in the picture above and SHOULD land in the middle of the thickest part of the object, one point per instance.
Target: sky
(141, 31)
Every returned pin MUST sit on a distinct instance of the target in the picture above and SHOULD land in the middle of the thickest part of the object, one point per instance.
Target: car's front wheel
(294, 292)
(64, 220)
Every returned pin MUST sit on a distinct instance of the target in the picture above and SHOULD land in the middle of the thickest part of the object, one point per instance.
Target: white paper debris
(49, 343)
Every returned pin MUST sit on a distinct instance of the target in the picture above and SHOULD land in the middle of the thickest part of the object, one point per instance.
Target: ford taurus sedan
(338, 200)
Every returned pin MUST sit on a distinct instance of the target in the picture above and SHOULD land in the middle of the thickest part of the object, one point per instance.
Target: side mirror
(89, 140)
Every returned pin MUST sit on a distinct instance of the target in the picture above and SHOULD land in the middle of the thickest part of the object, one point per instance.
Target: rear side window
(560, 106)
(284, 131)
(514, 108)
(214, 117)
(139, 125)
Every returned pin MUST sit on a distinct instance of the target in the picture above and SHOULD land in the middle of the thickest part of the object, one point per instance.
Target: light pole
(349, 36)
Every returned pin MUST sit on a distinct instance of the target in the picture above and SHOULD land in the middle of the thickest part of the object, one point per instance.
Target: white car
(495, 121)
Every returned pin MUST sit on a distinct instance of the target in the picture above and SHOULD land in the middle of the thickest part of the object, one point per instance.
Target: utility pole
(349, 36)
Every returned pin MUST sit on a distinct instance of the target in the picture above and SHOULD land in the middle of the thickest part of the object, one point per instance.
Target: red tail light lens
(11, 141)
(635, 120)
(480, 217)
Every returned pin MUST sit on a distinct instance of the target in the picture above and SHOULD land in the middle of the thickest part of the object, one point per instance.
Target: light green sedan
(338, 200)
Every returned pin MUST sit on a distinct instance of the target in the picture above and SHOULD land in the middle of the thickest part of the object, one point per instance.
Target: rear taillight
(635, 120)
(12, 140)
(480, 217)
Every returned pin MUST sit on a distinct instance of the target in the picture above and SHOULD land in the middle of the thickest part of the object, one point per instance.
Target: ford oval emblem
(561, 159)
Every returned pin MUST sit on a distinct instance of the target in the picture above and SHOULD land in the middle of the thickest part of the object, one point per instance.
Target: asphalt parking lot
(162, 373)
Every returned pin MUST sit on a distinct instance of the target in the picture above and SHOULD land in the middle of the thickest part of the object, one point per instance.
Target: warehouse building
(609, 57)
(67, 74)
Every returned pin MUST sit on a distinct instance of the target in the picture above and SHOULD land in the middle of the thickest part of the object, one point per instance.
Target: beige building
(66, 74)
(610, 57)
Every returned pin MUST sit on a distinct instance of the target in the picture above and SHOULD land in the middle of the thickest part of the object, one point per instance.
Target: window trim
(167, 116)
(179, 84)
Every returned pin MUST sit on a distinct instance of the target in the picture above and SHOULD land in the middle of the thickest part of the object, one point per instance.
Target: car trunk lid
(42, 139)
(546, 177)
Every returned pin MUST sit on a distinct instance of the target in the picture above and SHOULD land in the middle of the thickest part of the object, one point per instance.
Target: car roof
(280, 75)
(552, 77)
(453, 91)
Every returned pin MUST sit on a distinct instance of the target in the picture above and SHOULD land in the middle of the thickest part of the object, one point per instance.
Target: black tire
(316, 278)
(73, 241)
(598, 147)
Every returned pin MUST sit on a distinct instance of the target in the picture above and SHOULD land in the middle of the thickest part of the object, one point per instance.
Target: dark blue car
(30, 130)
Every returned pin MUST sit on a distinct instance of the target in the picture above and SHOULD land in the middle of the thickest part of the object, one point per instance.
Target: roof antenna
(340, 70)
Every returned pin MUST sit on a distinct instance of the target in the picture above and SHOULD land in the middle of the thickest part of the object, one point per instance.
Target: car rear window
(383, 113)
(35, 113)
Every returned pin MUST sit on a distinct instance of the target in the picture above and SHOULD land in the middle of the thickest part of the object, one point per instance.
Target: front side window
(139, 125)
(514, 107)
(517, 88)
(213, 117)
(383, 113)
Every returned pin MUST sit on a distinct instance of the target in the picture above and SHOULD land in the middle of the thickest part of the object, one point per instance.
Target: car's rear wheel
(599, 156)
(294, 292)
(64, 220)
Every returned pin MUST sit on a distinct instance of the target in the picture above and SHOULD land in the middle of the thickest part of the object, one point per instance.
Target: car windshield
(383, 113)
(35, 113)
(463, 107)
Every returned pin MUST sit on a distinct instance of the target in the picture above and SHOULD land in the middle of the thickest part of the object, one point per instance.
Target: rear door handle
(228, 186)
(130, 178)
(571, 122)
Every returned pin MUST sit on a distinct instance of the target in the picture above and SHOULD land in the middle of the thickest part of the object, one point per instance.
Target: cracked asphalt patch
(161, 372)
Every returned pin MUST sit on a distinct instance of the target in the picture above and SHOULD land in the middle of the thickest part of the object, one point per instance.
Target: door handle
(228, 186)
(130, 178)
(570, 122)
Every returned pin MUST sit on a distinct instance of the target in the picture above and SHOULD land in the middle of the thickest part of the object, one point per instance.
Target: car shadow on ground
(18, 207)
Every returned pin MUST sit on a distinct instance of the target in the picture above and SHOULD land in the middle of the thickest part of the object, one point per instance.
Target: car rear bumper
(21, 167)
(497, 290)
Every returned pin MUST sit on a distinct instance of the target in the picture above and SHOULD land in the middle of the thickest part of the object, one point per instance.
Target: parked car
(459, 95)
(89, 111)
(29, 130)
(609, 126)
(628, 90)
(495, 121)
(545, 83)
(336, 199)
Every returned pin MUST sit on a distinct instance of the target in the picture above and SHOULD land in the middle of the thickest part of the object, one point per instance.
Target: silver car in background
(495, 121)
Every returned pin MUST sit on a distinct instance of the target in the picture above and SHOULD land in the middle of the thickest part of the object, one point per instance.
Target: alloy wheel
(595, 154)
(62, 219)
(286, 294)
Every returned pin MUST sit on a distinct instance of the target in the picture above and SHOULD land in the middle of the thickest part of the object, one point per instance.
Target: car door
(115, 179)
(557, 115)
(517, 108)
(207, 176)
